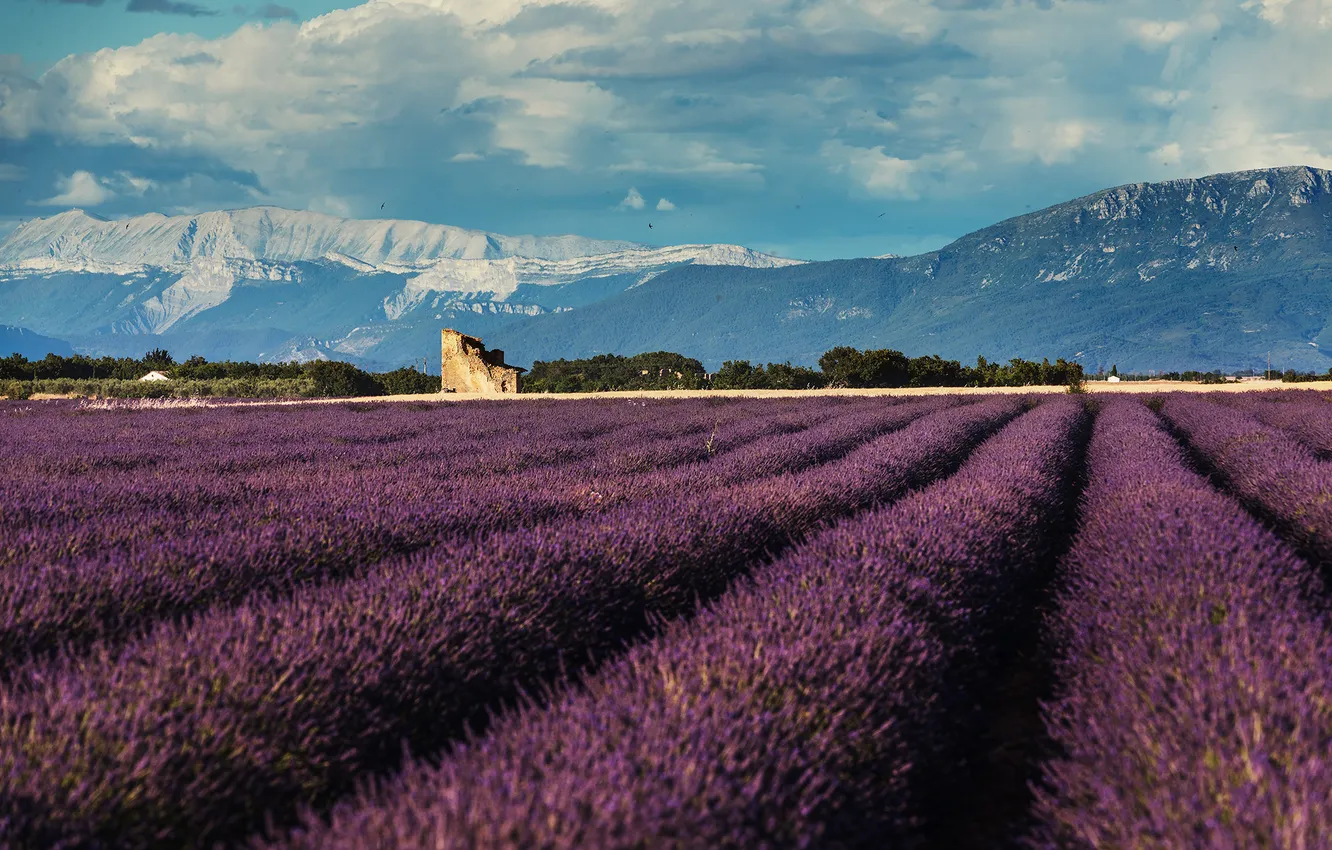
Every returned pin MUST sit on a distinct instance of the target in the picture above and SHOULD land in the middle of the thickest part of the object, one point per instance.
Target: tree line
(112, 377)
(842, 366)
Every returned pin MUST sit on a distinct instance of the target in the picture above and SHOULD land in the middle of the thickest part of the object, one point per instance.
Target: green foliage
(119, 388)
(407, 381)
(657, 370)
(335, 379)
(844, 366)
(784, 376)
(741, 375)
(158, 358)
(117, 377)
(1290, 376)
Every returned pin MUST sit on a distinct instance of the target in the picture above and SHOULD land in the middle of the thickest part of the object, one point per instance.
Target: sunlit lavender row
(963, 621)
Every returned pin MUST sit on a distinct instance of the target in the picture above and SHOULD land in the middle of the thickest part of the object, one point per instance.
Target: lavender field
(941, 621)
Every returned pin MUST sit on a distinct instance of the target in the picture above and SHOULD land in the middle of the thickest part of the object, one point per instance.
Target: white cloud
(901, 97)
(80, 189)
(130, 184)
(664, 205)
(632, 201)
(886, 176)
(9, 171)
(1054, 141)
(1157, 33)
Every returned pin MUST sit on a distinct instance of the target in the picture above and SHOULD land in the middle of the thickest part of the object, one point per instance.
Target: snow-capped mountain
(271, 233)
(273, 284)
(1213, 272)
(1207, 273)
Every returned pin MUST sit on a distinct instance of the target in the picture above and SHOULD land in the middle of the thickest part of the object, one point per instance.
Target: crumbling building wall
(467, 367)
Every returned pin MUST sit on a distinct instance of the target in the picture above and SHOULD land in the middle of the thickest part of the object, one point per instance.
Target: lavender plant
(1267, 469)
(1194, 671)
(240, 546)
(199, 731)
(804, 709)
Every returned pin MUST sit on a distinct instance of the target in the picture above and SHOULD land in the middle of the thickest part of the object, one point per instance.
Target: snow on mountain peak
(272, 233)
(499, 279)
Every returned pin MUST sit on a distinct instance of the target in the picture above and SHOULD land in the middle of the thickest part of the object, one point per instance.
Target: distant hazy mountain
(31, 345)
(1207, 273)
(275, 284)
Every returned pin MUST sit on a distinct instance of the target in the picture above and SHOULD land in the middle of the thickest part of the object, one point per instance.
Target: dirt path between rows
(1092, 387)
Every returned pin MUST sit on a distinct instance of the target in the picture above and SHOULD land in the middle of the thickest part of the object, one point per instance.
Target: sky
(813, 129)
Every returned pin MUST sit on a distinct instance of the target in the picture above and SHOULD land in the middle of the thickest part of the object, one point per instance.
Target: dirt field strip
(1092, 387)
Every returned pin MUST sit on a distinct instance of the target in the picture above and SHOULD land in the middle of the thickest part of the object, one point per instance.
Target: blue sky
(809, 128)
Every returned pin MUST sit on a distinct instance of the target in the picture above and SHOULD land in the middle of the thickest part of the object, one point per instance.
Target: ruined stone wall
(468, 368)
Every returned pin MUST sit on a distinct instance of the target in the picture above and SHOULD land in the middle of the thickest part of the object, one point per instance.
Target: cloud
(169, 7)
(274, 12)
(906, 105)
(130, 184)
(883, 175)
(10, 172)
(537, 17)
(632, 201)
(664, 205)
(80, 189)
(199, 58)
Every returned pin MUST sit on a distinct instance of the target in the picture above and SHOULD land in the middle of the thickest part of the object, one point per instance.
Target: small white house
(1113, 379)
(155, 376)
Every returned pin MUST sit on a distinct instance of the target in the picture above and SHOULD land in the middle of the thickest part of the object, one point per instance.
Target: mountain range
(1213, 272)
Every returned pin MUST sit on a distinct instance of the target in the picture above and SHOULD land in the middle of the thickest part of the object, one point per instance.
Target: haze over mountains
(1203, 273)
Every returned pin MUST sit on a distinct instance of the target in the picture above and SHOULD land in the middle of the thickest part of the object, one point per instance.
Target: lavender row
(113, 594)
(176, 460)
(1194, 675)
(196, 733)
(1306, 416)
(803, 710)
(1270, 471)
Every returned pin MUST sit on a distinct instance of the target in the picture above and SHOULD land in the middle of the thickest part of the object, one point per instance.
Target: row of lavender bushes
(198, 732)
(1194, 662)
(167, 568)
(805, 709)
(1190, 644)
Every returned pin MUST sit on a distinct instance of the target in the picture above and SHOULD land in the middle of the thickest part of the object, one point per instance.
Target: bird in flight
(381, 206)
(649, 225)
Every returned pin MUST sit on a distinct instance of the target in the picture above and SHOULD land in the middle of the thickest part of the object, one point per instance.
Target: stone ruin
(466, 366)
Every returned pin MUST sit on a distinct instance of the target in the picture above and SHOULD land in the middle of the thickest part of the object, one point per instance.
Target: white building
(1114, 379)
(155, 376)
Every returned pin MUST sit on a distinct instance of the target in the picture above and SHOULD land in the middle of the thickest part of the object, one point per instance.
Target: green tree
(335, 379)
(158, 358)
(842, 366)
(739, 375)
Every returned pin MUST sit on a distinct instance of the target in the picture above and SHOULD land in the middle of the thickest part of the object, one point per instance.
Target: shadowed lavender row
(1194, 675)
(802, 710)
(1267, 469)
(196, 733)
(113, 593)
